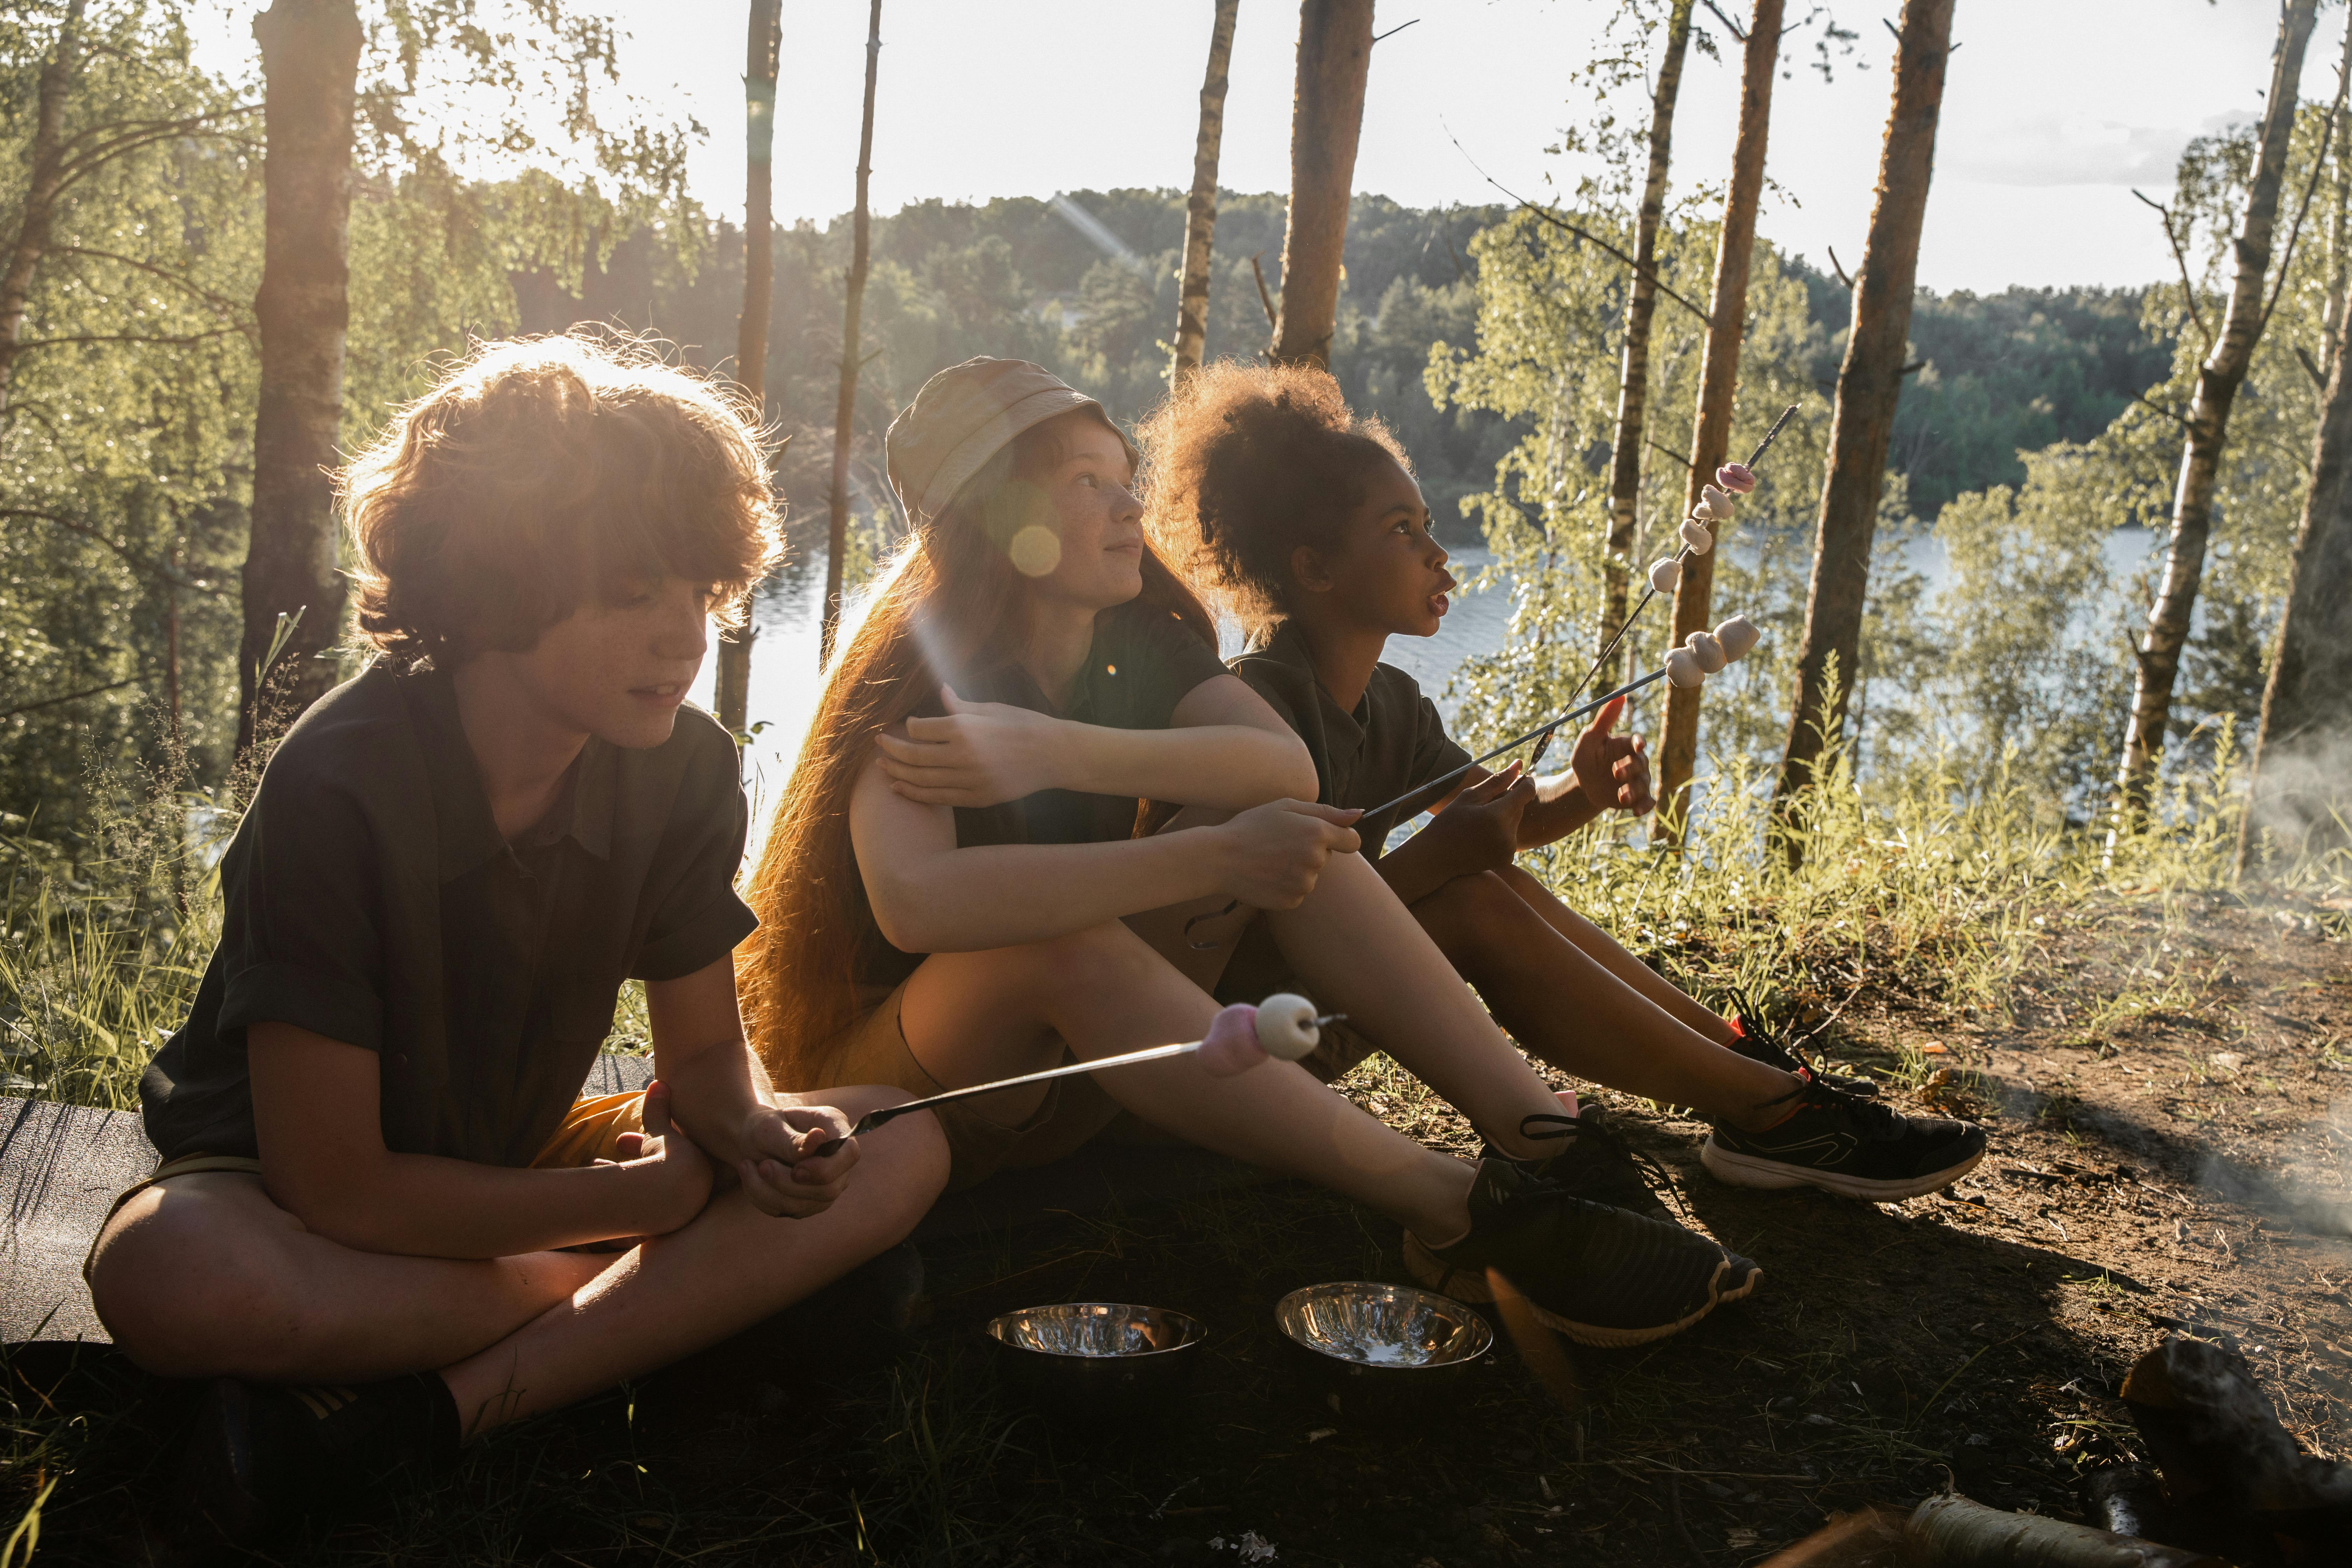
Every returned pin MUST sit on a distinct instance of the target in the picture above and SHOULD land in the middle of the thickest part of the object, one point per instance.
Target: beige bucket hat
(964, 415)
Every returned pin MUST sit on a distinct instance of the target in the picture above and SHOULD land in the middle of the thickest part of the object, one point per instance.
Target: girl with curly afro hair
(1301, 519)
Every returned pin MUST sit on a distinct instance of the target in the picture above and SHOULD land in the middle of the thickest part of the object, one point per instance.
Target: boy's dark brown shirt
(1393, 740)
(368, 896)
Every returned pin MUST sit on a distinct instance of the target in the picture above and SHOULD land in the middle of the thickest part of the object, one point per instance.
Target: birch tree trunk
(2218, 380)
(2300, 798)
(1201, 211)
(1718, 380)
(45, 177)
(1641, 303)
(309, 60)
(759, 282)
(1869, 385)
(1335, 58)
(844, 411)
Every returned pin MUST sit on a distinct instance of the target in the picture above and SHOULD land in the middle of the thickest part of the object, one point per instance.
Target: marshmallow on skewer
(1708, 651)
(1664, 572)
(1231, 1045)
(1737, 636)
(1736, 478)
(1286, 1027)
(1714, 506)
(1682, 667)
(1696, 535)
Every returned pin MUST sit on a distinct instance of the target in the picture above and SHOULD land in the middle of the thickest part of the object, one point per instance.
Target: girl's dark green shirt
(368, 896)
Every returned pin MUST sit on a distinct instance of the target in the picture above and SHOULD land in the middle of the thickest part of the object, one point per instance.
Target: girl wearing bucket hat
(954, 888)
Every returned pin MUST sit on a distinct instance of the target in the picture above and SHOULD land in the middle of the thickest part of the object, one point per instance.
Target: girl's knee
(185, 1295)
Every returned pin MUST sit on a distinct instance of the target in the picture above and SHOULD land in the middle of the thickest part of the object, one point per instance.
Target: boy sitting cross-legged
(375, 1175)
(1305, 520)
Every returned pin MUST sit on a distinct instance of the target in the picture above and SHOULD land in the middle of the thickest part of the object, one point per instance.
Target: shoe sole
(1748, 1170)
(1470, 1285)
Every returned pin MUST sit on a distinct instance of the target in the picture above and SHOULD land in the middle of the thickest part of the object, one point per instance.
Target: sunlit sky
(2054, 110)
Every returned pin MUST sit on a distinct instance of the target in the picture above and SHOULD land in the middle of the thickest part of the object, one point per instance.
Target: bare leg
(971, 1016)
(204, 1277)
(730, 1268)
(1605, 951)
(1563, 1004)
(1360, 952)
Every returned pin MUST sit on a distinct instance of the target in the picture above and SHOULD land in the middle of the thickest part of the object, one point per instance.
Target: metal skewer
(873, 1118)
(1594, 706)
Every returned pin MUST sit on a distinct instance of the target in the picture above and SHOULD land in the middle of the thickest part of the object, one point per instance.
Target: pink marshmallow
(1230, 1045)
(1736, 478)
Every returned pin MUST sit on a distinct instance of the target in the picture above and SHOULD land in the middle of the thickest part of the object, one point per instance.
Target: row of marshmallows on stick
(1704, 653)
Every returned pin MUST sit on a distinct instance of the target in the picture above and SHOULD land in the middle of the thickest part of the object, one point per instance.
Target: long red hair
(949, 601)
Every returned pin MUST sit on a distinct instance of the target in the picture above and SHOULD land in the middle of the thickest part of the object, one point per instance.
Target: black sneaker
(1600, 1274)
(1595, 1164)
(1759, 1043)
(260, 1454)
(1848, 1144)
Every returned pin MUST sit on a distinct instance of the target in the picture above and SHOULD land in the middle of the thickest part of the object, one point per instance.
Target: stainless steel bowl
(1089, 1362)
(1364, 1348)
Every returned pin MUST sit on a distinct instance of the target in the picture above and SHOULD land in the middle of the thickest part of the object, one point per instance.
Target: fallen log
(1951, 1531)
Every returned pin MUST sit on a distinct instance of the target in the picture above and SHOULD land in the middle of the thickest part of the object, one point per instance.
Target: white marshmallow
(1710, 654)
(1286, 1027)
(1737, 636)
(1706, 512)
(1664, 572)
(1696, 535)
(1716, 497)
(1682, 667)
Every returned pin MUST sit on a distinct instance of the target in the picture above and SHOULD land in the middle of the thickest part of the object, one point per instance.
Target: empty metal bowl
(1362, 1347)
(1094, 1362)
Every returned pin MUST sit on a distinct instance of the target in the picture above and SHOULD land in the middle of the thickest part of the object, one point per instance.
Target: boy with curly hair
(1303, 519)
(383, 1222)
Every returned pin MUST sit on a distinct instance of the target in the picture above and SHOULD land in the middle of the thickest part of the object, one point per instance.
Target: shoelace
(1875, 1119)
(1554, 1127)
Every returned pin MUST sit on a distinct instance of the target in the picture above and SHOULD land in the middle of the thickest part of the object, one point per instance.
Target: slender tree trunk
(1718, 380)
(1641, 303)
(310, 59)
(844, 411)
(2218, 380)
(1335, 58)
(759, 282)
(2302, 786)
(45, 177)
(1869, 385)
(1201, 211)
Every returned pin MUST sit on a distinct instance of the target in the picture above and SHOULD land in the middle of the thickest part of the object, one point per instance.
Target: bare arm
(723, 1100)
(928, 896)
(1224, 748)
(317, 1109)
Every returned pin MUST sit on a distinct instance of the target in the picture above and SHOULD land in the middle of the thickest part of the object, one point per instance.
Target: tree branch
(2160, 409)
(1265, 295)
(1838, 269)
(1669, 451)
(2310, 369)
(69, 696)
(2187, 289)
(1737, 31)
(220, 301)
(132, 338)
(129, 557)
(2295, 231)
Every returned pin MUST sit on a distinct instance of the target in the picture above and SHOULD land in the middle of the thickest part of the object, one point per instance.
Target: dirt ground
(2171, 1111)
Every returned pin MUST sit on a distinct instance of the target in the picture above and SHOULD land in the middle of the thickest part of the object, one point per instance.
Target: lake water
(784, 681)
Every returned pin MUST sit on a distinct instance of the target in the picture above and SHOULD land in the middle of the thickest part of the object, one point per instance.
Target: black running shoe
(261, 1455)
(1848, 1144)
(1600, 1274)
(1595, 1164)
(1759, 1043)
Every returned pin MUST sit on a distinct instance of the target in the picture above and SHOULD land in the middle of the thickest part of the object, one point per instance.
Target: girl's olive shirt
(368, 896)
